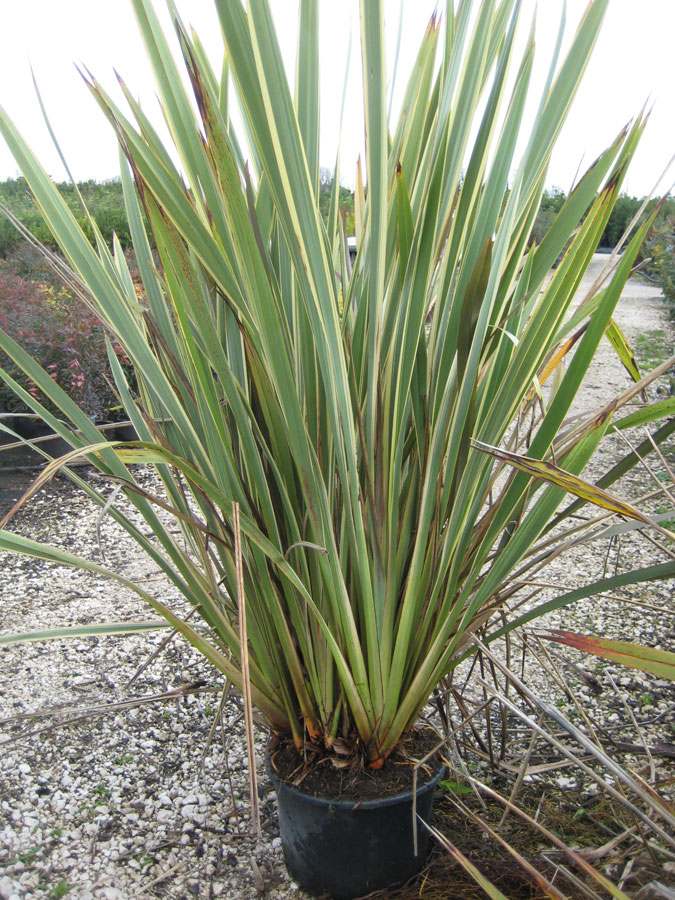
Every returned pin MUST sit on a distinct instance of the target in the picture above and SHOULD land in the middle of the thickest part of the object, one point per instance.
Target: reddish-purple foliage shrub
(58, 331)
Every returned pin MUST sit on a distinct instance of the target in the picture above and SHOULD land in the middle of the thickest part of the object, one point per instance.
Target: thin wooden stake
(245, 677)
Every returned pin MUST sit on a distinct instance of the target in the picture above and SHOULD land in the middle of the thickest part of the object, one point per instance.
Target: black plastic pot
(125, 431)
(33, 430)
(349, 849)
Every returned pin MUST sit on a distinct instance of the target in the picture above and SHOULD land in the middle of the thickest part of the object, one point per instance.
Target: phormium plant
(390, 432)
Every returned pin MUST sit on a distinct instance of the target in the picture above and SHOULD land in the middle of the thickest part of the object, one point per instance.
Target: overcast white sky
(633, 63)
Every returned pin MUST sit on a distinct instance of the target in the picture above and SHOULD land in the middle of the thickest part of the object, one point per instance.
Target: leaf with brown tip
(648, 659)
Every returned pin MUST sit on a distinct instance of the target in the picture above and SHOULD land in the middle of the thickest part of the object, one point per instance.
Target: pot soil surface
(343, 777)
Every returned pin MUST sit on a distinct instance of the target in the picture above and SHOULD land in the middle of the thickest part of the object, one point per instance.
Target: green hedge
(103, 199)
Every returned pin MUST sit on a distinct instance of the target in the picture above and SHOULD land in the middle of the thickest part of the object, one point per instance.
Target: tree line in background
(105, 204)
(103, 200)
(39, 312)
(658, 252)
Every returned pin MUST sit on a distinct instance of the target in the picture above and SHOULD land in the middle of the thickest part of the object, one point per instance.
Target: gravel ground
(139, 802)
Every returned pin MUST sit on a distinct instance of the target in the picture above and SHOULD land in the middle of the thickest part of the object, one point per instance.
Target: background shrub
(103, 199)
(58, 330)
(105, 202)
(346, 201)
(660, 246)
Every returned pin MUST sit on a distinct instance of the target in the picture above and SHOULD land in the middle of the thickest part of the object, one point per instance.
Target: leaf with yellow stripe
(547, 471)
(482, 880)
(359, 202)
(556, 357)
(617, 339)
(102, 629)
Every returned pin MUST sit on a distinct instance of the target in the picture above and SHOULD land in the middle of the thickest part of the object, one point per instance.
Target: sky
(632, 65)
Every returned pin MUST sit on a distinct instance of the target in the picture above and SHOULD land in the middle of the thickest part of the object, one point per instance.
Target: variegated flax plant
(352, 411)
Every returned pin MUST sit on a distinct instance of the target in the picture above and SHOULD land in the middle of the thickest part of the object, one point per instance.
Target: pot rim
(377, 803)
